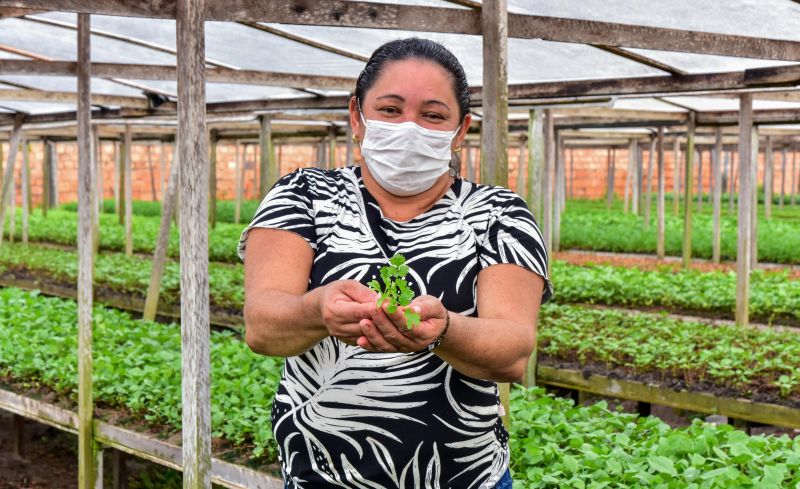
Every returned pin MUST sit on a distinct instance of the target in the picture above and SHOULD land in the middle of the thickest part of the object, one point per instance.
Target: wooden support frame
(195, 328)
(25, 188)
(745, 214)
(716, 242)
(435, 19)
(268, 174)
(648, 190)
(238, 181)
(212, 178)
(536, 161)
(676, 176)
(8, 174)
(128, 193)
(494, 124)
(547, 181)
(687, 194)
(332, 147)
(140, 445)
(754, 197)
(772, 414)
(610, 166)
(769, 164)
(89, 474)
(660, 218)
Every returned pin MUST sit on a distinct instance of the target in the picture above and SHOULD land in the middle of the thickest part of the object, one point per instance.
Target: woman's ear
(462, 130)
(355, 119)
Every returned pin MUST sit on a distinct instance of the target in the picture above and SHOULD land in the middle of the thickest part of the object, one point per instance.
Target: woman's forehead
(413, 79)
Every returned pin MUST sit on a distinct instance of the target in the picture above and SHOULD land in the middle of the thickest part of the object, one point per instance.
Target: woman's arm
(281, 317)
(494, 346)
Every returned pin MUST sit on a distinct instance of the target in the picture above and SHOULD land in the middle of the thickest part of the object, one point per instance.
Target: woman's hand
(342, 305)
(388, 333)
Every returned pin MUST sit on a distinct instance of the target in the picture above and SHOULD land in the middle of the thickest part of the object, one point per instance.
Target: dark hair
(415, 48)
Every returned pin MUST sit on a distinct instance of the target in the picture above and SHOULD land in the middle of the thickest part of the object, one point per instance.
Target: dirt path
(651, 262)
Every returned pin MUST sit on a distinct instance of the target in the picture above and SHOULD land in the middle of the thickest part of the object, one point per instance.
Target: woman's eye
(389, 110)
(432, 115)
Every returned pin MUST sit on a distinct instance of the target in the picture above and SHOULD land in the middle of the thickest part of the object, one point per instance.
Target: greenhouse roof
(551, 54)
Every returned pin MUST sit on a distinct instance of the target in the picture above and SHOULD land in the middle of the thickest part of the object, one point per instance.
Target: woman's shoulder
(488, 197)
(317, 181)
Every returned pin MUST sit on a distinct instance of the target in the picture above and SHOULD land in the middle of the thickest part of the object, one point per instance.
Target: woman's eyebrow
(436, 102)
(392, 95)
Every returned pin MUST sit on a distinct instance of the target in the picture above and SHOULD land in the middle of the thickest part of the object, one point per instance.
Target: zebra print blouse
(346, 417)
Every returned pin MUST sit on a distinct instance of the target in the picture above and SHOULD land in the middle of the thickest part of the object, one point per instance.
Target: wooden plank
(744, 237)
(119, 469)
(306, 41)
(795, 178)
(783, 177)
(558, 197)
(97, 194)
(628, 178)
(772, 414)
(340, 13)
(640, 194)
(195, 332)
(162, 243)
(39, 411)
(699, 180)
(71, 98)
(687, 194)
(349, 146)
(494, 123)
(238, 182)
(660, 218)
(212, 178)
(609, 179)
(641, 59)
(161, 73)
(716, 242)
(88, 473)
(47, 165)
(536, 159)
(754, 195)
(128, 196)
(8, 173)
(332, 147)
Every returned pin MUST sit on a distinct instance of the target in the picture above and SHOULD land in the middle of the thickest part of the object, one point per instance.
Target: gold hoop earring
(355, 139)
(457, 149)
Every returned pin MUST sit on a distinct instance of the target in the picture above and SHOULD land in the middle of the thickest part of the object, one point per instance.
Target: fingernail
(417, 309)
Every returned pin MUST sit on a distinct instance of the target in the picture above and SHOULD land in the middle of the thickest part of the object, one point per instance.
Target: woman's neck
(400, 208)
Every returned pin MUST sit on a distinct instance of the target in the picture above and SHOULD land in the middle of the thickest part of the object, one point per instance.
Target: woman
(365, 402)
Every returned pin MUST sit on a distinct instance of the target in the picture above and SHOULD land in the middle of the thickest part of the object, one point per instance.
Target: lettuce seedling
(395, 289)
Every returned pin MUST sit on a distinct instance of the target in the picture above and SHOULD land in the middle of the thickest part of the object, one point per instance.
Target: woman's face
(413, 90)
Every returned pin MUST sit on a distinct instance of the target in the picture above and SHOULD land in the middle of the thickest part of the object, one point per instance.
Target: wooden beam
(169, 73)
(547, 180)
(745, 215)
(494, 134)
(307, 41)
(128, 195)
(660, 218)
(8, 12)
(717, 197)
(643, 60)
(536, 157)
(72, 97)
(195, 327)
(341, 13)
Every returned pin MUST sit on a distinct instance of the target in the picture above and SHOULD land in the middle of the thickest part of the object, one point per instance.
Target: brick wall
(586, 169)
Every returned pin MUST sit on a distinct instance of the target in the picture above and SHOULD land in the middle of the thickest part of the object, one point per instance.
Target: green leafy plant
(395, 289)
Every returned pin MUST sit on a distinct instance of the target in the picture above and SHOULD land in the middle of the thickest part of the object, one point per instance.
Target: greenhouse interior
(656, 143)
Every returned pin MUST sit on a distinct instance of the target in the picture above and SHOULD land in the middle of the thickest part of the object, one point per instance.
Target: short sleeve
(288, 206)
(512, 236)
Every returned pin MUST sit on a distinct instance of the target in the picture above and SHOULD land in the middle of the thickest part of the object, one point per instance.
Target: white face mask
(405, 159)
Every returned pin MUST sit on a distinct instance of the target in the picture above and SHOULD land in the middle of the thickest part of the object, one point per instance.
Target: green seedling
(395, 289)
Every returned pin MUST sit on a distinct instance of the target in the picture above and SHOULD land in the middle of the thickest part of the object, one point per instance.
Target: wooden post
(768, 167)
(349, 146)
(745, 214)
(783, 177)
(332, 147)
(12, 203)
(561, 180)
(732, 184)
(547, 180)
(609, 179)
(119, 469)
(195, 326)
(8, 172)
(124, 152)
(162, 243)
(128, 192)
(116, 177)
(151, 170)
(88, 473)
(468, 160)
(660, 203)
(795, 177)
(212, 178)
(494, 136)
(571, 188)
(558, 204)
(699, 180)
(162, 168)
(536, 158)
(649, 183)
(676, 176)
(754, 197)
(237, 209)
(269, 173)
(25, 188)
(97, 201)
(628, 178)
(687, 194)
(716, 169)
(640, 180)
(18, 436)
(521, 167)
(46, 165)
(320, 155)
